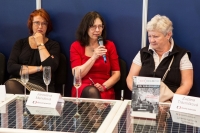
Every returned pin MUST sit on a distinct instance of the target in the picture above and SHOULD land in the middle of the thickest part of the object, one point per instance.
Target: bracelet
(38, 68)
(42, 49)
(40, 45)
(104, 88)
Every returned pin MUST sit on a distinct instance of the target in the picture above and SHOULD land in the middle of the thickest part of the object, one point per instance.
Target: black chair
(2, 68)
(121, 84)
(61, 75)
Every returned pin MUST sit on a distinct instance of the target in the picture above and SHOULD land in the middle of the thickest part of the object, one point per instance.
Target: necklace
(91, 48)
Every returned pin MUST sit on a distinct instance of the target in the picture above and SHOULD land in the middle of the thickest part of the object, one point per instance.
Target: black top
(173, 78)
(23, 54)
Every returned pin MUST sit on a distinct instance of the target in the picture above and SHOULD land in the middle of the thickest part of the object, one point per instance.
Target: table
(123, 122)
(97, 115)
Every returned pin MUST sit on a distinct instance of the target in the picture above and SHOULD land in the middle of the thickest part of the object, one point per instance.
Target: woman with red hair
(35, 51)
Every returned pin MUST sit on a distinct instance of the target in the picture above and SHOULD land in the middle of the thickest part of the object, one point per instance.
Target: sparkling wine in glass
(24, 78)
(47, 76)
(77, 84)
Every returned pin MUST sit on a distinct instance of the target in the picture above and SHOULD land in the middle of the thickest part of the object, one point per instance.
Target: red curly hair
(42, 13)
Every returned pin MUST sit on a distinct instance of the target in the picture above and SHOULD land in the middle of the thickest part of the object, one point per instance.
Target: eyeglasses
(94, 27)
(37, 23)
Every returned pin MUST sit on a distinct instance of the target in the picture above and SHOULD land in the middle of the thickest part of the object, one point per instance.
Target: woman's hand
(38, 38)
(99, 51)
(99, 87)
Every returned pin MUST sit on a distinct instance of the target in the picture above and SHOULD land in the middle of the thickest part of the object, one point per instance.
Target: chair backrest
(121, 84)
(61, 74)
(2, 68)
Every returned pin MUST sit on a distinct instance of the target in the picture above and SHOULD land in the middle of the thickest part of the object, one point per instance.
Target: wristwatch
(38, 68)
(40, 45)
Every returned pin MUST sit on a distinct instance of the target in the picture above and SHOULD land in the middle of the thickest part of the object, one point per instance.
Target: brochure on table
(2, 93)
(184, 118)
(186, 104)
(44, 99)
(145, 97)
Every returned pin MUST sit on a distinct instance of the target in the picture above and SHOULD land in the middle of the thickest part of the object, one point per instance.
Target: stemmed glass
(47, 76)
(47, 80)
(77, 84)
(24, 78)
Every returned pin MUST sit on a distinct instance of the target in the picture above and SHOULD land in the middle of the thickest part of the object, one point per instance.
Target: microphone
(100, 41)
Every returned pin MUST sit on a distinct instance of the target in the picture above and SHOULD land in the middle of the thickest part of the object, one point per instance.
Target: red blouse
(100, 71)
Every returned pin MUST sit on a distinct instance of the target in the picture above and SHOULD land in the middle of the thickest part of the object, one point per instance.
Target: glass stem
(25, 100)
(25, 93)
(77, 99)
(76, 95)
(47, 88)
(77, 109)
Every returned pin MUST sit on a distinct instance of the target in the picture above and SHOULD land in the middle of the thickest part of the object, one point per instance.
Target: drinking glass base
(77, 115)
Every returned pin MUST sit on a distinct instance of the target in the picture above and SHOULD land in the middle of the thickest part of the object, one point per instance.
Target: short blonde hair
(160, 23)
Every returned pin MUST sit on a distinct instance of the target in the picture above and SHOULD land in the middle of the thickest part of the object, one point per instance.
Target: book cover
(145, 96)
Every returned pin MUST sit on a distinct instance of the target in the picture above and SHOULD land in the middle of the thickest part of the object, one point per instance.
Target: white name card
(44, 99)
(44, 111)
(2, 93)
(184, 118)
(186, 104)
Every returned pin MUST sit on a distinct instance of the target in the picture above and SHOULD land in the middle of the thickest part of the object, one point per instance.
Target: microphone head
(100, 38)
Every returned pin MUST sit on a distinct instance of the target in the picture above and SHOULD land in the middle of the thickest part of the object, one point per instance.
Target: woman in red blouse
(98, 76)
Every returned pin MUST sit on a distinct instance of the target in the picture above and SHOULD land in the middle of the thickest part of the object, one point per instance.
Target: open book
(145, 97)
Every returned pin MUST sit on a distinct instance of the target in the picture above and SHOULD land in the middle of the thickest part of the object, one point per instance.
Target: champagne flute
(77, 84)
(24, 78)
(47, 76)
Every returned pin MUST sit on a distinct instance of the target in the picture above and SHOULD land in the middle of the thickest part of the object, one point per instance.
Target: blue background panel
(123, 20)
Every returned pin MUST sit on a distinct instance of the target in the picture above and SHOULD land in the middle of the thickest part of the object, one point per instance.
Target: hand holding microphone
(100, 42)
